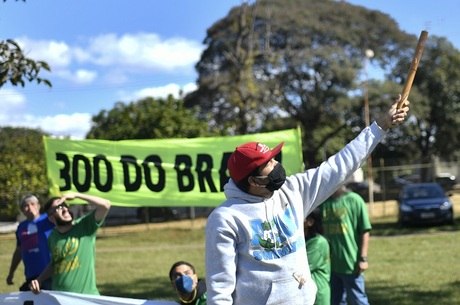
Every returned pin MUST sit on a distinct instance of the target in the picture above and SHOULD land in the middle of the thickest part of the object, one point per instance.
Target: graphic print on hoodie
(275, 238)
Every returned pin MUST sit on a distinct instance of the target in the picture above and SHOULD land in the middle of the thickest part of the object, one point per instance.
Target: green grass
(408, 266)
(421, 265)
(134, 264)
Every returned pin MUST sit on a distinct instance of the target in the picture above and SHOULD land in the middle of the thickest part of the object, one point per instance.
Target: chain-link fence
(388, 180)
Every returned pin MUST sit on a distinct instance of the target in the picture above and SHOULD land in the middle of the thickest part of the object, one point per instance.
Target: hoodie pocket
(288, 292)
(285, 292)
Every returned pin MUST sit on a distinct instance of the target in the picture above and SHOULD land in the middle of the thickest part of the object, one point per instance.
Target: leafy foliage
(22, 159)
(148, 118)
(16, 68)
(436, 122)
(292, 59)
(22, 167)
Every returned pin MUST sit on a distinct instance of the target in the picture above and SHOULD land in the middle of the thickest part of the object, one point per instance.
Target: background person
(346, 226)
(255, 244)
(189, 288)
(318, 253)
(72, 245)
(31, 243)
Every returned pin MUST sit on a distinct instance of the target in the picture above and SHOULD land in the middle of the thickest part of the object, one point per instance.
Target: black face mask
(276, 178)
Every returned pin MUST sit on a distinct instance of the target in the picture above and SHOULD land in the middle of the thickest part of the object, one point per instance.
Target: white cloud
(13, 105)
(80, 76)
(85, 76)
(128, 53)
(10, 100)
(56, 53)
(189, 88)
(144, 51)
(115, 59)
(75, 125)
(158, 92)
(60, 56)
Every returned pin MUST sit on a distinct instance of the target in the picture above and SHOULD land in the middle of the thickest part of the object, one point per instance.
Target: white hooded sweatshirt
(255, 247)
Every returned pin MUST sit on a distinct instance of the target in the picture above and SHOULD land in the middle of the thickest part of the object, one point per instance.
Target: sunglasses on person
(58, 208)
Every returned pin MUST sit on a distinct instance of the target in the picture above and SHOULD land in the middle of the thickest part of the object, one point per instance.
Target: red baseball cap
(249, 156)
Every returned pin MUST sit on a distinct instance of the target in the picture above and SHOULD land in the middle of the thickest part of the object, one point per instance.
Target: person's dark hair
(317, 227)
(49, 203)
(178, 264)
(244, 183)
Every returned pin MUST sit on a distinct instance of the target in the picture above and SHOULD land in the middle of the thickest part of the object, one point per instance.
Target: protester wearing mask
(189, 288)
(255, 246)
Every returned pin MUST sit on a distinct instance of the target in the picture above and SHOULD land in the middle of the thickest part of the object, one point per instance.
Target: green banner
(166, 172)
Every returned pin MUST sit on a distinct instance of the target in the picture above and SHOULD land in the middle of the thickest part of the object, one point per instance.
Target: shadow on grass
(155, 288)
(384, 293)
(389, 227)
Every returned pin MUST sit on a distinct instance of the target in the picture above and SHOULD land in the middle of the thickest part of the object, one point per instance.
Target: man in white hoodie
(255, 246)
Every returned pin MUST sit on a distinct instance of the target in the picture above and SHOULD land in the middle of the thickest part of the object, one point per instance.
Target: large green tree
(435, 126)
(22, 167)
(300, 60)
(147, 118)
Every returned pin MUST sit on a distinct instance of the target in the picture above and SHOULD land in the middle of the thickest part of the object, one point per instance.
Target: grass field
(409, 266)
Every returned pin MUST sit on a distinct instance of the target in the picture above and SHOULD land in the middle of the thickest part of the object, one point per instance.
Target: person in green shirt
(72, 245)
(346, 227)
(189, 288)
(318, 256)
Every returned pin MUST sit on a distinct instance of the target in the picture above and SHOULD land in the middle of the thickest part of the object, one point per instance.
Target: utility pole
(370, 177)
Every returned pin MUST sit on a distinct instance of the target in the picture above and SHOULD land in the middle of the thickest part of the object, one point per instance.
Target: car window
(423, 192)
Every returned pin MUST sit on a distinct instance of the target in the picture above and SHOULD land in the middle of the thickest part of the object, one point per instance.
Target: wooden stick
(413, 68)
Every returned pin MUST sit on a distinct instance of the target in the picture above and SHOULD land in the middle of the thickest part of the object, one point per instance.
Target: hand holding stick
(413, 68)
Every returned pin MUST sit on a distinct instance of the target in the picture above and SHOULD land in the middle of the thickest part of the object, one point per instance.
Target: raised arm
(393, 116)
(319, 183)
(102, 205)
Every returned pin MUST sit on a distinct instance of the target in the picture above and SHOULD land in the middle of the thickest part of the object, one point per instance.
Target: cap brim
(276, 150)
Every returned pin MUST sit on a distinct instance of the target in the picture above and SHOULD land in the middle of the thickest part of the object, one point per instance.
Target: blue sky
(105, 51)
